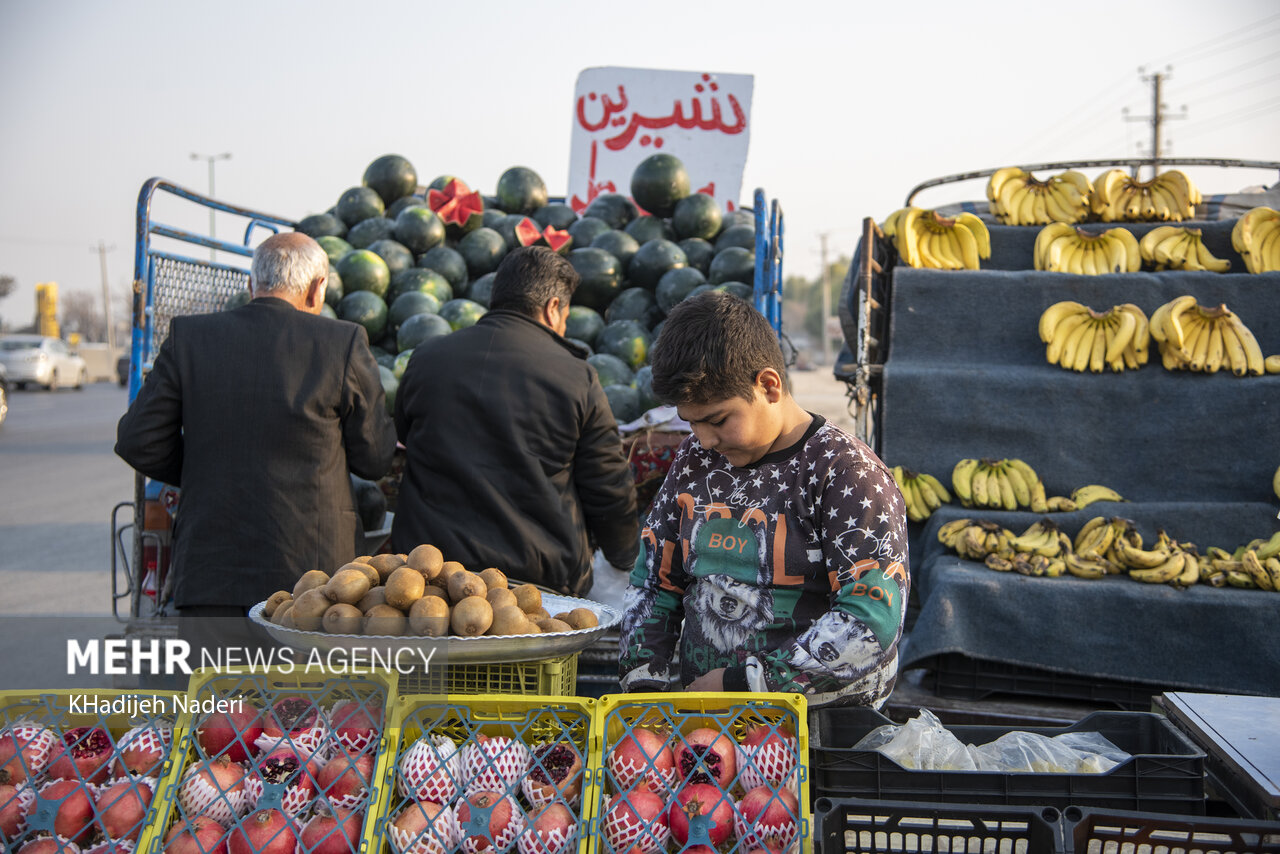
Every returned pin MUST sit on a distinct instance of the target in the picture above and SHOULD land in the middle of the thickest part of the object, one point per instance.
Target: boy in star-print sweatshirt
(775, 552)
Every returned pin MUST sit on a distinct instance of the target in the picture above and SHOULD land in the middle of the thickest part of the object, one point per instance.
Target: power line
(1218, 122)
(1056, 132)
(1182, 55)
(1253, 63)
(1221, 93)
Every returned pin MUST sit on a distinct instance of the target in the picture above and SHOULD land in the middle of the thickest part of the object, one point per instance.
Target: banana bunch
(1252, 566)
(1113, 546)
(1063, 248)
(1172, 247)
(1017, 197)
(1119, 197)
(1040, 550)
(923, 493)
(1077, 337)
(1000, 485)
(1256, 236)
(923, 238)
(975, 540)
(1193, 337)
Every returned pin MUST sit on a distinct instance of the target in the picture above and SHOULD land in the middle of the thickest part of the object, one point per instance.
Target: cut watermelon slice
(528, 233)
(458, 206)
(558, 240)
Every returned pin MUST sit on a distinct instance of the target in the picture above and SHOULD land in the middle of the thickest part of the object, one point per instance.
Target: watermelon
(557, 240)
(419, 328)
(658, 183)
(629, 340)
(701, 289)
(398, 257)
(370, 231)
(697, 215)
(364, 270)
(619, 244)
(419, 229)
(322, 225)
(587, 229)
(584, 324)
(407, 305)
(481, 289)
(558, 215)
(740, 216)
(526, 232)
(482, 251)
(358, 204)
(422, 280)
(403, 203)
(733, 264)
(391, 176)
(737, 235)
(326, 310)
(388, 343)
(675, 285)
(624, 401)
(646, 228)
(462, 313)
(611, 369)
(448, 263)
(599, 277)
(401, 362)
(698, 252)
(521, 190)
(634, 304)
(655, 258)
(614, 208)
(492, 217)
(367, 309)
(741, 290)
(382, 356)
(582, 346)
(389, 386)
(334, 247)
(643, 383)
(461, 209)
(440, 182)
(332, 286)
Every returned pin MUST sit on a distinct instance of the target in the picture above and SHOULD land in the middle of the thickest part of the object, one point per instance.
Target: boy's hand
(711, 681)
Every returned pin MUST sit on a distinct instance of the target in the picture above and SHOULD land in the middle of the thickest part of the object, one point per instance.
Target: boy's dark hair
(528, 278)
(712, 348)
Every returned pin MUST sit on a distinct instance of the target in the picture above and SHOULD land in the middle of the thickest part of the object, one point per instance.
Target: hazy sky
(854, 103)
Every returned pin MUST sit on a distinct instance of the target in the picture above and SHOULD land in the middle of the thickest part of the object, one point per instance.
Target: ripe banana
(1169, 569)
(1169, 197)
(950, 531)
(1253, 566)
(1016, 197)
(1135, 557)
(1248, 236)
(923, 238)
(1086, 495)
(922, 493)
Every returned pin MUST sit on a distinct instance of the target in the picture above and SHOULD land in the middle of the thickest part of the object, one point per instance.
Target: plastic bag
(922, 743)
(1029, 752)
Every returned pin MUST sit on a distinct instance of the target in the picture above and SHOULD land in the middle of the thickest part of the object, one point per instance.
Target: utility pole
(211, 158)
(1158, 115)
(102, 249)
(826, 301)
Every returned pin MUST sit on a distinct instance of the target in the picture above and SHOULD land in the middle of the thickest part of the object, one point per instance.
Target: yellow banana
(1175, 334)
(1162, 573)
(1085, 348)
(969, 251)
(1018, 482)
(1105, 191)
(1038, 502)
(962, 480)
(1216, 349)
(1008, 500)
(1086, 495)
(1208, 260)
(1272, 566)
(981, 497)
(935, 486)
(906, 239)
(1135, 557)
(1237, 358)
(1083, 567)
(1046, 236)
(1126, 328)
(1190, 570)
(1061, 504)
(996, 182)
(1096, 360)
(978, 228)
(1253, 352)
(1253, 566)
(950, 530)
(997, 563)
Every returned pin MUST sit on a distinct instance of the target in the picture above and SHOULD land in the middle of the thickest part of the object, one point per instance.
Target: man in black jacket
(513, 455)
(257, 414)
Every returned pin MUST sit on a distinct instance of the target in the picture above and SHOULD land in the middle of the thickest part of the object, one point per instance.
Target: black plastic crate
(1165, 771)
(1120, 832)
(854, 826)
(957, 676)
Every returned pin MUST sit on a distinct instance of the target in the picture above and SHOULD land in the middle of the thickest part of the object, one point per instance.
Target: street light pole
(211, 158)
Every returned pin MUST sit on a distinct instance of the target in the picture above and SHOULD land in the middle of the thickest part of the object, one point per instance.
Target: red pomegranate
(230, 733)
(25, 750)
(505, 821)
(707, 756)
(636, 822)
(642, 757)
(49, 845)
(142, 751)
(344, 779)
(122, 808)
(430, 769)
(424, 827)
(767, 755)
(336, 833)
(553, 830)
(74, 817)
(284, 765)
(767, 818)
(357, 725)
(555, 773)
(264, 832)
(494, 763)
(295, 721)
(13, 809)
(85, 755)
(199, 835)
(213, 788)
(702, 812)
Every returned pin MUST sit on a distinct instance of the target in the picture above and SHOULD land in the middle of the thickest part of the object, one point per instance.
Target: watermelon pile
(409, 262)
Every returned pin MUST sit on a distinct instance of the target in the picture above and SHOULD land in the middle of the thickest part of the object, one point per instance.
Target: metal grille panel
(189, 287)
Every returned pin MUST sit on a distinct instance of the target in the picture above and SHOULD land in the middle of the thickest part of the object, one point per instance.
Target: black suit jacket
(257, 414)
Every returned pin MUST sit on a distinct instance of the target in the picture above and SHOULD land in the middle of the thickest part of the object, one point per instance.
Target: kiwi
(342, 619)
(427, 559)
(563, 615)
(404, 587)
(375, 596)
(385, 564)
(385, 620)
(533, 628)
(286, 619)
(493, 577)
(429, 617)
(284, 609)
(348, 586)
(528, 597)
(364, 568)
(583, 618)
(508, 620)
(362, 559)
(437, 591)
(448, 568)
(274, 601)
(551, 624)
(471, 617)
(308, 609)
(500, 596)
(538, 614)
(463, 584)
(309, 580)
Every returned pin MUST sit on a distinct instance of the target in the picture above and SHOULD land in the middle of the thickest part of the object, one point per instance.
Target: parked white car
(42, 360)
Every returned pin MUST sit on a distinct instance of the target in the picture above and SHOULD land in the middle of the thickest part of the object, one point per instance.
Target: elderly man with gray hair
(258, 414)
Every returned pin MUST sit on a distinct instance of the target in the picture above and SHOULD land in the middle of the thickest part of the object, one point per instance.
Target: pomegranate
(768, 755)
(707, 756)
(642, 757)
(142, 750)
(767, 818)
(200, 835)
(122, 808)
(636, 822)
(554, 830)
(488, 821)
(430, 769)
(285, 768)
(117, 846)
(494, 764)
(231, 733)
(14, 802)
(213, 788)
(85, 755)
(555, 772)
(344, 779)
(49, 845)
(702, 813)
(73, 802)
(264, 832)
(357, 725)
(25, 750)
(424, 827)
(294, 721)
(332, 833)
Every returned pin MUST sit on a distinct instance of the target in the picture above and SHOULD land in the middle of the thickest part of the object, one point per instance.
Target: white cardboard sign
(623, 115)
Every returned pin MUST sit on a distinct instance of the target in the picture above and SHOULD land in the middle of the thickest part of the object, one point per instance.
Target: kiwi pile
(419, 595)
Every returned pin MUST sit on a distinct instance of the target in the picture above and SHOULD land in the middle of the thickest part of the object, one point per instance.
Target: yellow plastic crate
(531, 720)
(115, 711)
(679, 714)
(549, 677)
(261, 688)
